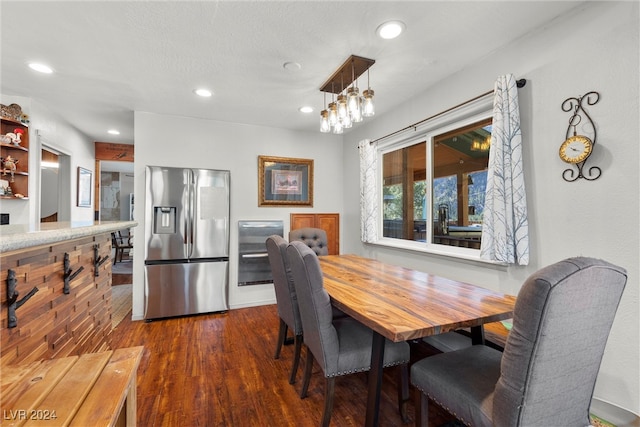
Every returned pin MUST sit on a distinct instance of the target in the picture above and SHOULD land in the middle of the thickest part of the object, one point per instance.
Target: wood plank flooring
(219, 370)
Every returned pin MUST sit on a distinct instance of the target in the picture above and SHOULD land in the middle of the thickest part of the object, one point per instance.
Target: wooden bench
(95, 389)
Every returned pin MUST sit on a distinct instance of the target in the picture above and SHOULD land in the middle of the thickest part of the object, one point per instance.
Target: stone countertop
(21, 236)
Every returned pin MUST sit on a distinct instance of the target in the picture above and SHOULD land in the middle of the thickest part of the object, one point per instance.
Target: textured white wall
(56, 133)
(184, 142)
(595, 49)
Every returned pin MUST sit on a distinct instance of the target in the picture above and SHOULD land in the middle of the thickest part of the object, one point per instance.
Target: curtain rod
(519, 83)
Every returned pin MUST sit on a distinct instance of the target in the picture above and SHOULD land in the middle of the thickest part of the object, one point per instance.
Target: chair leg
(296, 358)
(282, 334)
(422, 408)
(403, 391)
(329, 388)
(307, 374)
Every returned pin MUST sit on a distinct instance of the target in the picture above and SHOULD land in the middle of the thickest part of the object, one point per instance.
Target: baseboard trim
(614, 414)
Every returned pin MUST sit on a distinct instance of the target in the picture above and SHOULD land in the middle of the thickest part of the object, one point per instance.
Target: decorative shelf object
(14, 146)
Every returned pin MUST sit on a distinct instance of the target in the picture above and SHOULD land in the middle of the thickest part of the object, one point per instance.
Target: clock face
(576, 149)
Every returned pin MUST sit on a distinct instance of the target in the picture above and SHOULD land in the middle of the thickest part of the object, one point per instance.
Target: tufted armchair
(547, 372)
(341, 345)
(315, 238)
(286, 299)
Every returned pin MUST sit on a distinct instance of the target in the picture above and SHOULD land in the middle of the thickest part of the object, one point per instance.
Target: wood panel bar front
(52, 323)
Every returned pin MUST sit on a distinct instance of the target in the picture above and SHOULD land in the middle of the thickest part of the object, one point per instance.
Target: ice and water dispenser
(164, 219)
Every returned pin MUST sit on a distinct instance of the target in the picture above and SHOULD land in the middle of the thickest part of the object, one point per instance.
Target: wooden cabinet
(329, 222)
(19, 181)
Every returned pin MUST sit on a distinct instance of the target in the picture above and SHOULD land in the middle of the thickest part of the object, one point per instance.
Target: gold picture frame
(285, 181)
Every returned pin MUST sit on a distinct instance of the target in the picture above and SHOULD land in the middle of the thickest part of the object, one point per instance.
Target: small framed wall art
(284, 181)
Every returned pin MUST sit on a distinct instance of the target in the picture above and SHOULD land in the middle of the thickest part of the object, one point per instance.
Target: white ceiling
(113, 58)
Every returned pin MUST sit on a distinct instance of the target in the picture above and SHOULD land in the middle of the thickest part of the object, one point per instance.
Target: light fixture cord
(353, 74)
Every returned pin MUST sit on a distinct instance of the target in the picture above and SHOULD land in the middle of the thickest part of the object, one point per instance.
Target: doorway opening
(116, 191)
(55, 185)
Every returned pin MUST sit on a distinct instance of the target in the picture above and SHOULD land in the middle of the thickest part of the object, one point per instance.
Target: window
(433, 186)
(404, 192)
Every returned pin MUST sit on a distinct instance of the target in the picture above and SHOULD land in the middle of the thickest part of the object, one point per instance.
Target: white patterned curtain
(368, 192)
(505, 229)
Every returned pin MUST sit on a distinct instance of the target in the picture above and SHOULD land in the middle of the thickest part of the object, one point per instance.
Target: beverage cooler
(253, 260)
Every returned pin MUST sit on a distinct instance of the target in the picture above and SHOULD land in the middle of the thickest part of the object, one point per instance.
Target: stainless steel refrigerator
(186, 241)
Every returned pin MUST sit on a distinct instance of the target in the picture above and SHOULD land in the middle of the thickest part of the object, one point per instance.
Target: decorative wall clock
(577, 148)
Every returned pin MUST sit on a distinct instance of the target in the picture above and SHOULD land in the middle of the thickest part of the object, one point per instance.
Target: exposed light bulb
(338, 128)
(354, 104)
(342, 107)
(347, 122)
(333, 113)
(324, 122)
(368, 107)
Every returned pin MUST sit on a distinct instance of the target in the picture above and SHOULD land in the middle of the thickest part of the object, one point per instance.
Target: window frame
(456, 118)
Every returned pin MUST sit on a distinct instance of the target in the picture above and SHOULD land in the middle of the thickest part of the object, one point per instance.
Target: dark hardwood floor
(219, 370)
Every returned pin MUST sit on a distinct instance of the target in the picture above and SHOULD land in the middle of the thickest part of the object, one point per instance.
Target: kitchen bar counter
(56, 294)
(14, 237)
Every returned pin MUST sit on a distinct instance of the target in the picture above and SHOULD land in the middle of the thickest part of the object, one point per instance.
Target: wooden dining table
(402, 304)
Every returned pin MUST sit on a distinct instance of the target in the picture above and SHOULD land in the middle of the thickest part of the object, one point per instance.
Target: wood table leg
(375, 380)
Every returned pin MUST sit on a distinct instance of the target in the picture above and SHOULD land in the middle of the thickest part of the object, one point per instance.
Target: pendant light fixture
(342, 101)
(368, 107)
(333, 113)
(325, 127)
(349, 107)
(354, 102)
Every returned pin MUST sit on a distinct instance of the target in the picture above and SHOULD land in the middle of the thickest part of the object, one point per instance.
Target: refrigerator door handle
(254, 255)
(192, 211)
(186, 232)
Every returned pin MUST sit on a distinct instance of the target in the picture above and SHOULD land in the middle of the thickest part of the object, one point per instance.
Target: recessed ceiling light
(306, 109)
(41, 68)
(205, 93)
(291, 66)
(113, 132)
(390, 29)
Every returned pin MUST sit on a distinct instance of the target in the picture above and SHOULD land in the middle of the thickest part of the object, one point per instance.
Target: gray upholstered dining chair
(286, 300)
(341, 346)
(315, 238)
(547, 373)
